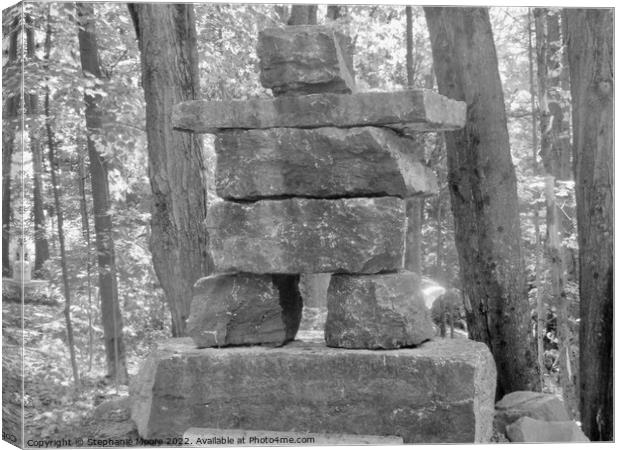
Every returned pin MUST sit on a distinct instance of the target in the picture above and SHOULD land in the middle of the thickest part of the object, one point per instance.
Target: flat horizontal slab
(376, 311)
(442, 391)
(297, 235)
(410, 110)
(321, 162)
(201, 437)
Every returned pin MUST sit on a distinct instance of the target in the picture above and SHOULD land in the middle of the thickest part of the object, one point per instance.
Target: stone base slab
(442, 391)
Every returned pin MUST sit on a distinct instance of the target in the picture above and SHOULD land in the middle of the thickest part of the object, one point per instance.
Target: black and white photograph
(230, 225)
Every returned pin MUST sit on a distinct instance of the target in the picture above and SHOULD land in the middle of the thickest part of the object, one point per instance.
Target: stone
(242, 309)
(201, 437)
(297, 235)
(408, 111)
(320, 162)
(305, 59)
(527, 429)
(383, 311)
(535, 405)
(442, 391)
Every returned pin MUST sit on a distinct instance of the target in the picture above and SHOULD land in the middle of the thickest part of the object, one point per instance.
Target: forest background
(84, 104)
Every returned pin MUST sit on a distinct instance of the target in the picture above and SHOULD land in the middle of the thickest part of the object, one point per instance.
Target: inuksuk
(315, 181)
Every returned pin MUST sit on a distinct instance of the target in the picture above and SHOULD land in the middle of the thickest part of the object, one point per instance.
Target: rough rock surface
(440, 392)
(376, 311)
(355, 235)
(240, 309)
(410, 110)
(536, 405)
(527, 429)
(305, 59)
(322, 162)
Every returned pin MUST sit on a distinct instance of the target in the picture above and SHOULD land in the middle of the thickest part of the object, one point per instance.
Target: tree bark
(41, 248)
(303, 15)
(591, 56)
(167, 38)
(483, 194)
(110, 309)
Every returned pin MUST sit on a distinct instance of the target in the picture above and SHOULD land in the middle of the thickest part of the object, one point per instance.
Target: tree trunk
(530, 55)
(61, 236)
(9, 115)
(167, 39)
(41, 248)
(554, 255)
(303, 15)
(110, 309)
(555, 148)
(554, 151)
(414, 205)
(483, 194)
(591, 56)
(335, 12)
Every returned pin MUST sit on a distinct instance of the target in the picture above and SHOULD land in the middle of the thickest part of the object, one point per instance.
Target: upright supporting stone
(304, 59)
(442, 391)
(297, 235)
(321, 162)
(383, 311)
(243, 309)
(410, 111)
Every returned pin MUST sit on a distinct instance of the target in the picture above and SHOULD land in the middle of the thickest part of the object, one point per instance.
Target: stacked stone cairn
(304, 199)
(313, 181)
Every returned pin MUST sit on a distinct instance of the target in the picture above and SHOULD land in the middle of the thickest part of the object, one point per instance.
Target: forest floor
(52, 408)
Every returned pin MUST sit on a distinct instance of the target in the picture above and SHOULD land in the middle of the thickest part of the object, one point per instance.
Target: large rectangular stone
(442, 391)
(243, 309)
(383, 311)
(298, 235)
(322, 162)
(410, 110)
(305, 59)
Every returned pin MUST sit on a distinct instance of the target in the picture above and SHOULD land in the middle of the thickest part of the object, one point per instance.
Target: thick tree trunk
(41, 248)
(483, 194)
(303, 15)
(167, 39)
(591, 56)
(110, 309)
